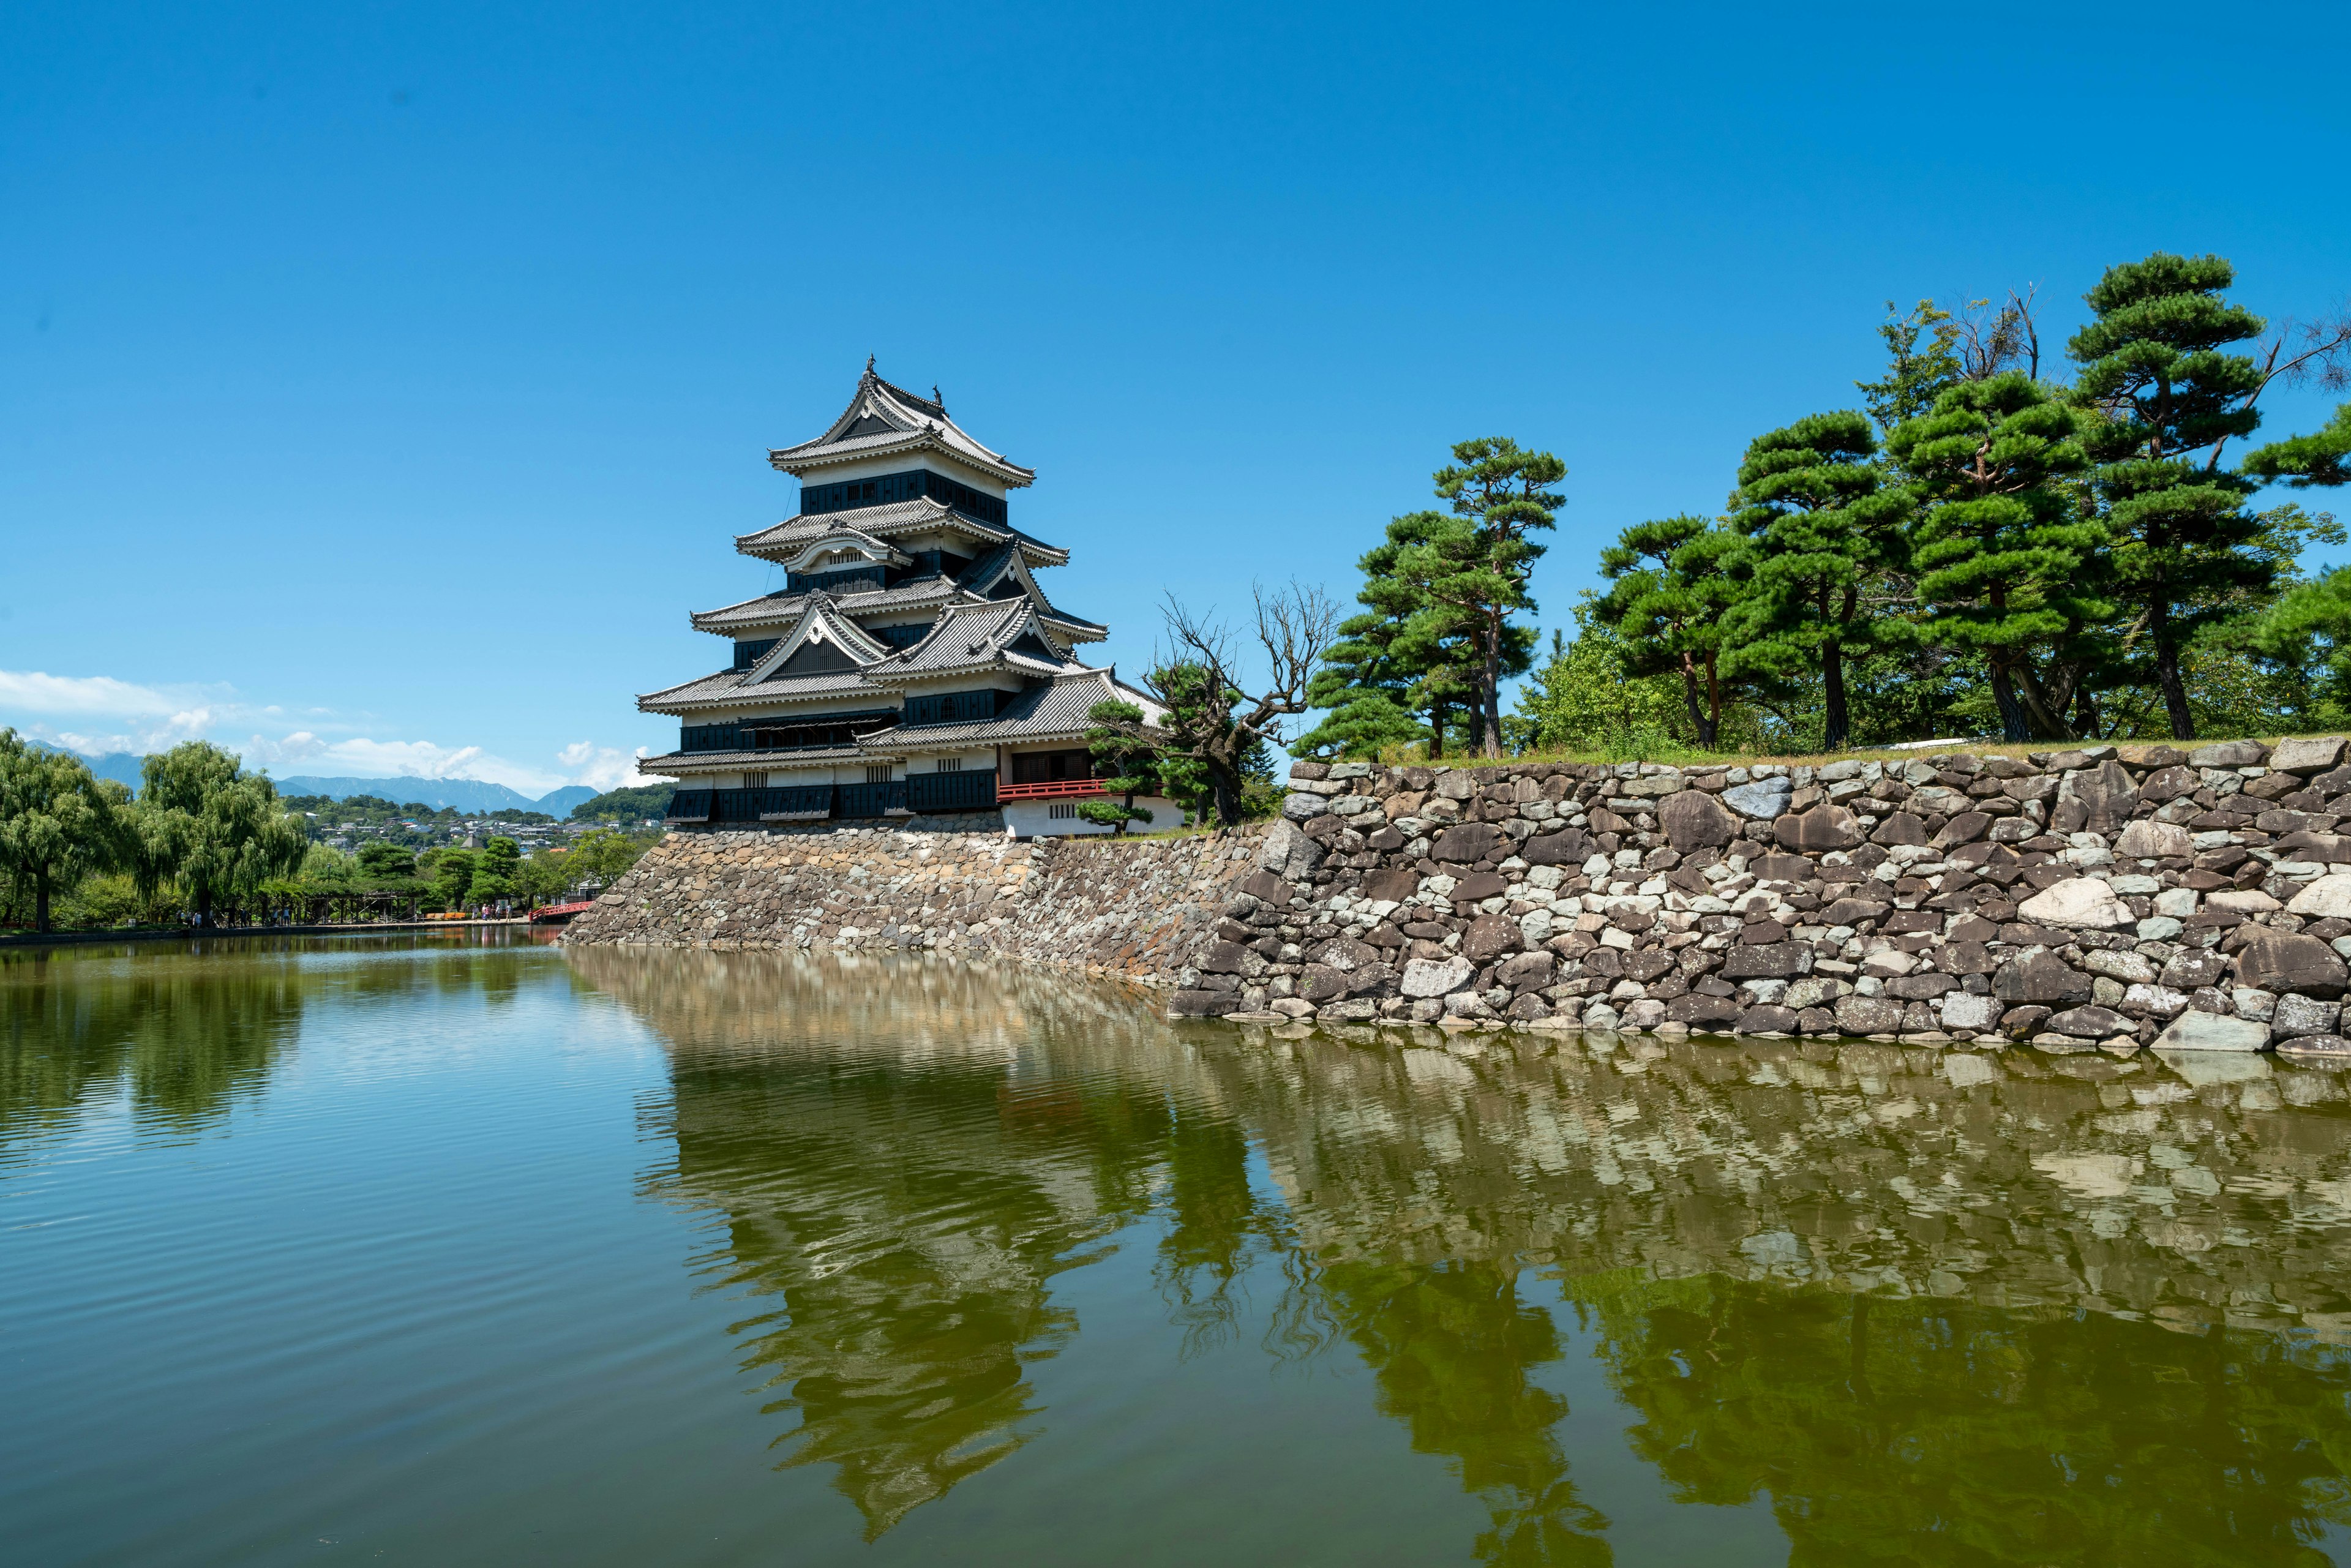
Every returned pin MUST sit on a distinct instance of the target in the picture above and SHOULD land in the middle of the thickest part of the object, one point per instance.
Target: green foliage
(1824, 532)
(451, 873)
(2309, 630)
(2301, 461)
(58, 823)
(1469, 569)
(216, 830)
(2004, 565)
(2167, 399)
(497, 872)
(1916, 373)
(1674, 583)
(1587, 699)
(601, 856)
(628, 806)
(1373, 681)
(1121, 742)
(383, 860)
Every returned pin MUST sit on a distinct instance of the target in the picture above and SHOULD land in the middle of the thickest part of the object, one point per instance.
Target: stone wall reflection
(1942, 1306)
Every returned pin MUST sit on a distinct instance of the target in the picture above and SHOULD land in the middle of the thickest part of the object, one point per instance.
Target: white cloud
(603, 766)
(140, 718)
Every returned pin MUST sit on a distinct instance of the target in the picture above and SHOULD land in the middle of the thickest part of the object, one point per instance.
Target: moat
(416, 1250)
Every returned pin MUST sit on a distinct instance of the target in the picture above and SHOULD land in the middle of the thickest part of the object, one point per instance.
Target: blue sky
(381, 386)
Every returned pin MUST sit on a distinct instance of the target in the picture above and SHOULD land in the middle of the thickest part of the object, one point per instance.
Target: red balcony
(1057, 789)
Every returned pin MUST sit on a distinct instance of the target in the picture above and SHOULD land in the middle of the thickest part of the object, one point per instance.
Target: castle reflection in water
(1936, 1306)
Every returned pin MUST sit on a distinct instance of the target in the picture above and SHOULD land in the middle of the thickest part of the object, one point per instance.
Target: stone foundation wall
(2077, 898)
(2155, 895)
(1137, 908)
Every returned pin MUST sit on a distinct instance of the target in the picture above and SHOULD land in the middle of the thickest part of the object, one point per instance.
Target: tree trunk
(1490, 689)
(1689, 700)
(1712, 731)
(1838, 726)
(1228, 797)
(2166, 672)
(40, 902)
(2013, 727)
(1436, 716)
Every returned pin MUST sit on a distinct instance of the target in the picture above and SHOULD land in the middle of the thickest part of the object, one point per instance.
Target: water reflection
(1934, 1307)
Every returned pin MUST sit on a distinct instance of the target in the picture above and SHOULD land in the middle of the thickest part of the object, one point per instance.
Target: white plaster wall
(1034, 819)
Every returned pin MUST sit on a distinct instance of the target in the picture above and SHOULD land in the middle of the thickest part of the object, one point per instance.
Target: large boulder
(2042, 978)
(1964, 1009)
(2296, 1015)
(2325, 898)
(2079, 902)
(2316, 754)
(1701, 1011)
(1853, 911)
(1489, 937)
(1557, 849)
(1858, 1014)
(2230, 754)
(2090, 1022)
(1766, 1019)
(1266, 886)
(1479, 886)
(1774, 961)
(2289, 961)
(2194, 1030)
(1694, 820)
(1465, 843)
(1821, 829)
(1392, 886)
(1764, 800)
(2152, 841)
(1963, 829)
(2106, 795)
(1435, 976)
(2168, 784)
(1900, 828)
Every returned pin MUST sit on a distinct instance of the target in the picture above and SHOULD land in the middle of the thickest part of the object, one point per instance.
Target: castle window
(880, 775)
(950, 765)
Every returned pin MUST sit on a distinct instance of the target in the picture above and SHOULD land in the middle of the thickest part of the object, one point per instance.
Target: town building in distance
(911, 665)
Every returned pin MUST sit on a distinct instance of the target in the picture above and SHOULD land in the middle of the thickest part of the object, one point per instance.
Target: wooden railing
(1056, 789)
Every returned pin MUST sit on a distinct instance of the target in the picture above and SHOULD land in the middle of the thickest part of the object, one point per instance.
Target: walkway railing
(1054, 789)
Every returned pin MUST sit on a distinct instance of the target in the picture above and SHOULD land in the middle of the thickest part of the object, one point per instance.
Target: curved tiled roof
(830, 756)
(734, 688)
(882, 419)
(921, 515)
(970, 637)
(1059, 709)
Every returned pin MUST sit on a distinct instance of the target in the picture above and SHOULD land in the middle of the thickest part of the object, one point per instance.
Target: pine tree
(2323, 457)
(1916, 375)
(2166, 401)
(2002, 558)
(1472, 571)
(1673, 613)
(1370, 682)
(1120, 743)
(1823, 527)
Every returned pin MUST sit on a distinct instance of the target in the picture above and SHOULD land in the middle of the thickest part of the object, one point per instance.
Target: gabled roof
(1058, 709)
(675, 763)
(836, 541)
(824, 620)
(727, 689)
(881, 420)
(971, 637)
(781, 542)
(994, 567)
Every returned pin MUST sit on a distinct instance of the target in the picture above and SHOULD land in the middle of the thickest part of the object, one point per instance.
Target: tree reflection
(1936, 1307)
(1451, 1346)
(1927, 1431)
(186, 1039)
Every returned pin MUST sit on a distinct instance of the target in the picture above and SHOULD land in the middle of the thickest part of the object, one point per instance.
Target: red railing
(1057, 789)
(546, 913)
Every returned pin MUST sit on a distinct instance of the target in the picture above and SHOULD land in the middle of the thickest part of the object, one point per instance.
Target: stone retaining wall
(2185, 899)
(1137, 908)
(2076, 898)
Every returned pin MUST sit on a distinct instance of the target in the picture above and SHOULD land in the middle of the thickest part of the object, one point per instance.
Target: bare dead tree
(1213, 721)
(2320, 352)
(1991, 340)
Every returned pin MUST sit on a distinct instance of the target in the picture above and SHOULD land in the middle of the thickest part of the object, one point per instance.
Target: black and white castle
(910, 665)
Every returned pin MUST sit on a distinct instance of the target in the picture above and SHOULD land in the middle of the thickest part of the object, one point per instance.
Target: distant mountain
(457, 794)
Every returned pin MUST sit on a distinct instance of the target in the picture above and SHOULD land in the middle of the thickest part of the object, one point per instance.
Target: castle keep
(911, 665)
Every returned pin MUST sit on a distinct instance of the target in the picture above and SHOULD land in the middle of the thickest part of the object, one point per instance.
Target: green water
(415, 1251)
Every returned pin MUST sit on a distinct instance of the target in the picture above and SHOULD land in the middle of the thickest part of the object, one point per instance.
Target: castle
(911, 665)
